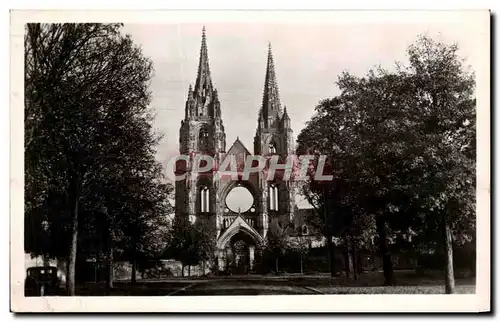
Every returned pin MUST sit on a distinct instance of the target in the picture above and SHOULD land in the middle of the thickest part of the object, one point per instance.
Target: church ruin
(238, 231)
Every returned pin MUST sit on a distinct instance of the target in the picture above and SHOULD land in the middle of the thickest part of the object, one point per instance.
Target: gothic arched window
(203, 138)
(273, 197)
(305, 230)
(272, 147)
(204, 199)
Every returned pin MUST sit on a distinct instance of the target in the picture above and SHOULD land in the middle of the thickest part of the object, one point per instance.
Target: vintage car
(42, 280)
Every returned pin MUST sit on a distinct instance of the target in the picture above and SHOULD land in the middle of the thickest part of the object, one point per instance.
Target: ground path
(368, 283)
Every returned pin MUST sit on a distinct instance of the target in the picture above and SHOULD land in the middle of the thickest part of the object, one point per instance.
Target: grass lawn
(436, 289)
(406, 282)
(401, 278)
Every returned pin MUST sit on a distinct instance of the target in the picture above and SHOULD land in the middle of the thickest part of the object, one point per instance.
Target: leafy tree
(88, 132)
(183, 242)
(206, 241)
(357, 236)
(443, 90)
(278, 241)
(147, 229)
(192, 242)
(403, 150)
(301, 244)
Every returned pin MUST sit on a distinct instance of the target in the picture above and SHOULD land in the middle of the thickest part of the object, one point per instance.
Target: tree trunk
(109, 259)
(182, 269)
(97, 267)
(359, 262)
(349, 268)
(448, 245)
(301, 270)
(354, 260)
(70, 278)
(134, 271)
(189, 270)
(374, 254)
(67, 274)
(333, 262)
(384, 250)
(142, 273)
(133, 278)
(277, 270)
(329, 245)
(331, 256)
(110, 271)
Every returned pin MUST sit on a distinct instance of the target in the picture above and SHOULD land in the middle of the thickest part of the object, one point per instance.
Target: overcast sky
(308, 59)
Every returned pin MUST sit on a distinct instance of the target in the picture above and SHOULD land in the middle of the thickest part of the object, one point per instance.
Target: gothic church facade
(203, 196)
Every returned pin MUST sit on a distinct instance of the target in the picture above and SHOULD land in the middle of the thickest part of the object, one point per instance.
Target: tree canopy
(91, 174)
(401, 146)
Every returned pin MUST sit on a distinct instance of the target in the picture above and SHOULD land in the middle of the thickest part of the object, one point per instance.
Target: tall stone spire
(203, 80)
(271, 106)
(203, 99)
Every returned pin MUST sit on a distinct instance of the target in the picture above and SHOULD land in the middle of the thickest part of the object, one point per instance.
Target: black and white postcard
(250, 161)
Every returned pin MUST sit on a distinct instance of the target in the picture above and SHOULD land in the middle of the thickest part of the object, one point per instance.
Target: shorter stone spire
(285, 114)
(285, 120)
(261, 120)
(189, 103)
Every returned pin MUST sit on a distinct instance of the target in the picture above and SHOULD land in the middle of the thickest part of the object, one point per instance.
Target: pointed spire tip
(271, 94)
(203, 77)
(203, 34)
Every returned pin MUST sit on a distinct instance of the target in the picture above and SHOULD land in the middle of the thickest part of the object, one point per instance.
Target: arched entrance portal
(237, 252)
(236, 247)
